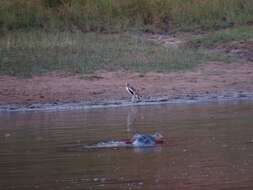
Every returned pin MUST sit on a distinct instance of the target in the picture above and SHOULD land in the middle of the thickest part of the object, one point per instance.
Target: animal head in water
(155, 137)
(139, 140)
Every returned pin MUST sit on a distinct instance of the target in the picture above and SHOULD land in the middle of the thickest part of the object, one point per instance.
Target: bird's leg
(133, 99)
(138, 98)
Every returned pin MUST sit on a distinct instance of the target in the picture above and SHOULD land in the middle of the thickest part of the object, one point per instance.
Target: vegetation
(121, 15)
(28, 53)
(83, 36)
(244, 33)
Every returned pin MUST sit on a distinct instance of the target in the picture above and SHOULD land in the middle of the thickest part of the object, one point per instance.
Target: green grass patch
(34, 52)
(223, 36)
(118, 16)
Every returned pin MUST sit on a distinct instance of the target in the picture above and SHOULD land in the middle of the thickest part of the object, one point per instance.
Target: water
(207, 146)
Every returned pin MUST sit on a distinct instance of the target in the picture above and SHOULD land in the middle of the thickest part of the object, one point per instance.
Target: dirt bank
(213, 78)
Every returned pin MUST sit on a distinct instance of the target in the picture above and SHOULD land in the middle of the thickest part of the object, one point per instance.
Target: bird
(135, 95)
(144, 140)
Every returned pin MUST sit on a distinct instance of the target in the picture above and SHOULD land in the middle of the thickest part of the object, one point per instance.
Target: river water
(207, 146)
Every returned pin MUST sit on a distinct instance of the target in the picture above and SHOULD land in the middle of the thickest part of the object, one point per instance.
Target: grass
(118, 16)
(212, 39)
(83, 36)
(36, 52)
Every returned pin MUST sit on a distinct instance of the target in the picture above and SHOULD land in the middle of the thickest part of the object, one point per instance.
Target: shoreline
(60, 91)
(87, 105)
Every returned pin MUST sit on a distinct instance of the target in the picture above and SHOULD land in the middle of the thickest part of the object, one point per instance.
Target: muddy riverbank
(207, 82)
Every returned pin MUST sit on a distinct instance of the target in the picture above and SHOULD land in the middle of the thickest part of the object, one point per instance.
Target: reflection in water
(147, 149)
(131, 117)
(206, 147)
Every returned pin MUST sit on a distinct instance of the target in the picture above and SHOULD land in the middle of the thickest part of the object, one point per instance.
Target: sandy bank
(210, 80)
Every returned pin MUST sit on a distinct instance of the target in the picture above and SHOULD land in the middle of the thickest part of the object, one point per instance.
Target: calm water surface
(207, 146)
